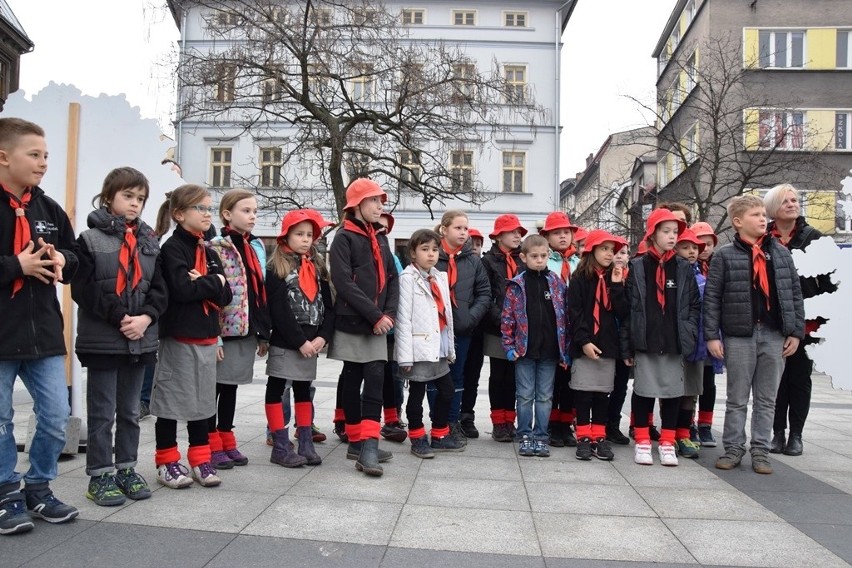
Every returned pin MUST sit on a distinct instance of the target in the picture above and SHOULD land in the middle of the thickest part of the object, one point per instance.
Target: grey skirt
(237, 368)
(184, 381)
(592, 375)
(357, 348)
(290, 364)
(658, 376)
(425, 371)
(493, 346)
(693, 378)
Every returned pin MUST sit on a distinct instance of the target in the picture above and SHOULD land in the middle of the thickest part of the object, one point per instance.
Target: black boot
(305, 436)
(778, 443)
(354, 450)
(557, 434)
(794, 445)
(614, 434)
(468, 426)
(368, 461)
(283, 452)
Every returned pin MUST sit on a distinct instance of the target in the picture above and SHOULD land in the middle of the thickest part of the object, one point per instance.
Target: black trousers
(501, 384)
(794, 392)
(226, 396)
(367, 405)
(619, 392)
(441, 409)
(472, 371)
(563, 396)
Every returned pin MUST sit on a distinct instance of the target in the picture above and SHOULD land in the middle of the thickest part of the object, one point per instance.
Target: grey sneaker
(729, 460)
(420, 448)
(104, 491)
(760, 464)
(132, 484)
(205, 474)
(527, 447)
(541, 449)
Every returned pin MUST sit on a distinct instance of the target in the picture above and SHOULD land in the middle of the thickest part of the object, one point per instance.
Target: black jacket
(494, 263)
(472, 289)
(184, 316)
(286, 332)
(634, 327)
(31, 324)
(728, 292)
(581, 325)
(803, 236)
(359, 304)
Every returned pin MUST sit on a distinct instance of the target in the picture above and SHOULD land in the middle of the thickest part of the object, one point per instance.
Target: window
(689, 10)
(270, 167)
(220, 167)
(515, 19)
(410, 169)
(513, 172)
(464, 18)
(357, 163)
(842, 130)
(691, 73)
(411, 17)
(226, 82)
(227, 19)
(516, 83)
(321, 17)
(363, 86)
(781, 49)
(279, 16)
(463, 78)
(690, 150)
(461, 170)
(364, 16)
(844, 53)
(272, 87)
(676, 96)
(781, 130)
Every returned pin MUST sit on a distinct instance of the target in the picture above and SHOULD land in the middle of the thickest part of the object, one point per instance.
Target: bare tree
(723, 131)
(347, 91)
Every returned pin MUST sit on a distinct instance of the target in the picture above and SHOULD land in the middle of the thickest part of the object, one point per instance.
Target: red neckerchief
(511, 267)
(439, 301)
(128, 253)
(661, 259)
(254, 271)
(601, 298)
(307, 274)
(566, 268)
(22, 229)
(370, 233)
(704, 266)
(760, 276)
(452, 272)
(201, 268)
(781, 238)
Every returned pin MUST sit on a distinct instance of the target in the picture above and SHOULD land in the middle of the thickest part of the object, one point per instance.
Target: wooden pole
(71, 210)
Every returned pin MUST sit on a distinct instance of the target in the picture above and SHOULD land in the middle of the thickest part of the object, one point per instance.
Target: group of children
(561, 314)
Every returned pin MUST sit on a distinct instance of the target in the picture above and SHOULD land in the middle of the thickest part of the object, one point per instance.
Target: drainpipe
(557, 113)
(179, 134)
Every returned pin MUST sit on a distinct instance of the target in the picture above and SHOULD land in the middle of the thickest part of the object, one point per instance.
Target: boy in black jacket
(754, 298)
(36, 252)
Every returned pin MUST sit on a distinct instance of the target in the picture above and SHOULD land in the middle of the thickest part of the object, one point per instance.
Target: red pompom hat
(703, 229)
(506, 224)
(557, 220)
(658, 216)
(293, 218)
(361, 189)
(598, 237)
(689, 236)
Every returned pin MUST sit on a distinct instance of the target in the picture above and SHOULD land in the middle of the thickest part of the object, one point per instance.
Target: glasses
(203, 210)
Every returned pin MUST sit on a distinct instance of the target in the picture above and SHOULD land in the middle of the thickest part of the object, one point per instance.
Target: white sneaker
(173, 475)
(668, 454)
(642, 454)
(205, 474)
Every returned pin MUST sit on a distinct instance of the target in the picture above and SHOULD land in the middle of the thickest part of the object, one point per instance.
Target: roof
(23, 41)
(674, 18)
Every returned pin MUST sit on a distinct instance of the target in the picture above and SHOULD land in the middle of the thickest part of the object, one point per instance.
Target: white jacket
(417, 334)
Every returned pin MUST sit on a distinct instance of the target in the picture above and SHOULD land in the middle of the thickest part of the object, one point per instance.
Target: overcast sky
(607, 55)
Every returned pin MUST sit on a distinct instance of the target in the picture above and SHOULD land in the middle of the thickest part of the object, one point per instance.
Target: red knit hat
(506, 224)
(475, 234)
(361, 189)
(557, 220)
(703, 229)
(658, 216)
(293, 218)
(689, 236)
(598, 237)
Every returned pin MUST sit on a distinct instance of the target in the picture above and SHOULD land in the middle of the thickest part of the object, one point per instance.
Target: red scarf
(760, 276)
(784, 240)
(201, 268)
(661, 259)
(566, 268)
(601, 298)
(255, 272)
(511, 267)
(452, 271)
(307, 274)
(128, 253)
(439, 301)
(704, 266)
(370, 233)
(22, 229)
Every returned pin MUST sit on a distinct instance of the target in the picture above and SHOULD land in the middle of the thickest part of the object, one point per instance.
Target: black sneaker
(602, 450)
(655, 434)
(42, 503)
(584, 448)
(393, 432)
(421, 449)
(132, 484)
(469, 428)
(500, 433)
(557, 434)
(340, 431)
(104, 492)
(446, 444)
(614, 435)
(13, 514)
(541, 449)
(570, 439)
(458, 434)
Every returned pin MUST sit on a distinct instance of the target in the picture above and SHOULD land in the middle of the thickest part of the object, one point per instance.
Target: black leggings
(643, 406)
(472, 370)
(226, 395)
(501, 384)
(707, 400)
(441, 410)
(794, 392)
(275, 387)
(591, 407)
(619, 392)
(563, 397)
(165, 432)
(366, 405)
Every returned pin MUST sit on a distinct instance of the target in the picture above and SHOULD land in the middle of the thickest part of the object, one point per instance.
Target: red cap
(390, 219)
(506, 224)
(580, 234)
(658, 216)
(475, 234)
(703, 229)
(361, 189)
(317, 216)
(689, 236)
(557, 220)
(598, 237)
(293, 218)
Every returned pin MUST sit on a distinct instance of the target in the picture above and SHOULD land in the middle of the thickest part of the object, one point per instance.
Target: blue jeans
(534, 394)
(457, 374)
(45, 381)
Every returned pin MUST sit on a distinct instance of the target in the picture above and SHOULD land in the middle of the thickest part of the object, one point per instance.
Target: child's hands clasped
(308, 350)
(592, 351)
(383, 326)
(133, 327)
(33, 264)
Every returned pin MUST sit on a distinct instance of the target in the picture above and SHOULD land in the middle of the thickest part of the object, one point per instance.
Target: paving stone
(570, 470)
(412, 558)
(468, 467)
(832, 508)
(587, 499)
(698, 503)
(17, 550)
(267, 552)
(836, 538)
(469, 493)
